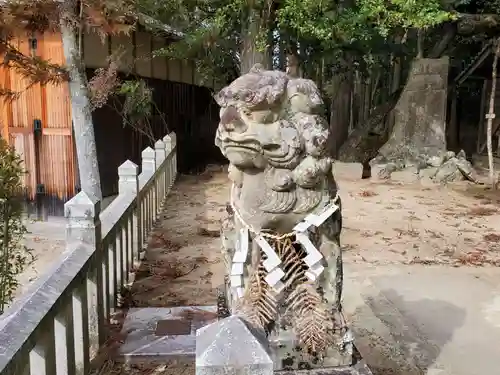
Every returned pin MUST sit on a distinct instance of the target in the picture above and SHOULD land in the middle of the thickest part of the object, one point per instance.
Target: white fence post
(159, 152)
(168, 170)
(83, 225)
(148, 198)
(128, 183)
(128, 178)
(174, 156)
(148, 161)
(170, 142)
(159, 183)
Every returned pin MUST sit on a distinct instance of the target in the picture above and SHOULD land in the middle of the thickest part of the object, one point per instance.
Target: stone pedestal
(282, 353)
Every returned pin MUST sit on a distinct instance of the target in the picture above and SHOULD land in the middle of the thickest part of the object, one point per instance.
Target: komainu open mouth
(249, 146)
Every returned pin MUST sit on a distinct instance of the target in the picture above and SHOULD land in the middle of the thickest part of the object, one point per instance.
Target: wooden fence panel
(57, 141)
(24, 110)
(48, 154)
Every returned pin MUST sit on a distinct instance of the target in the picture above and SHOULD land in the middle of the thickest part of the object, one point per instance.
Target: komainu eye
(246, 112)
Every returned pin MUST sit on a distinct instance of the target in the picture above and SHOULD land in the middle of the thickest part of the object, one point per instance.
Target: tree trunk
(282, 52)
(453, 141)
(80, 111)
(363, 143)
(359, 91)
(420, 43)
(491, 115)
(256, 28)
(450, 31)
(367, 97)
(340, 108)
(395, 86)
(293, 65)
(395, 79)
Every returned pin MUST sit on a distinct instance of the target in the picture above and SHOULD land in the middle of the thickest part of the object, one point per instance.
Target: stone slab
(359, 368)
(437, 320)
(141, 343)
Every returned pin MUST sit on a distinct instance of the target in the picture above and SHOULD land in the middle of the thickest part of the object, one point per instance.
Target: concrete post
(159, 152)
(128, 183)
(170, 141)
(83, 224)
(148, 161)
(84, 227)
(128, 178)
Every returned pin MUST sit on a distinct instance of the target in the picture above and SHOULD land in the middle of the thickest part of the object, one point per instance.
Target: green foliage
(364, 25)
(386, 16)
(14, 256)
(325, 30)
(212, 35)
(138, 103)
(137, 106)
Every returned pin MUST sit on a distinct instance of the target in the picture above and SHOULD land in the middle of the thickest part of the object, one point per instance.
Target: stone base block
(360, 368)
(284, 354)
(155, 335)
(381, 172)
(232, 346)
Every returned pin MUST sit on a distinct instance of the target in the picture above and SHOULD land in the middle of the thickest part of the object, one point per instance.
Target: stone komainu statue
(281, 243)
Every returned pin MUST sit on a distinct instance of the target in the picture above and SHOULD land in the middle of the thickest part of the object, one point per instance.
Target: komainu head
(272, 123)
(267, 118)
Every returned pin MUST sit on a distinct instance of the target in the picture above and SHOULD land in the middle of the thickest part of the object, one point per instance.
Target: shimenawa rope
(256, 232)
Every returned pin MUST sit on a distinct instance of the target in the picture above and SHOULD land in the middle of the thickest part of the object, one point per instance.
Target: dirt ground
(47, 242)
(384, 223)
(183, 264)
(396, 222)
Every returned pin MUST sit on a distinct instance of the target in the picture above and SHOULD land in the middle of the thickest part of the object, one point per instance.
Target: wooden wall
(137, 57)
(188, 110)
(484, 110)
(49, 155)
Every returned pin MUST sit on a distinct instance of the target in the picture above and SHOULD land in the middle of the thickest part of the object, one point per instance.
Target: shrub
(13, 254)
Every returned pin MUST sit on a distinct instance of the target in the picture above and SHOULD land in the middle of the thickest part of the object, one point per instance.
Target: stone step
(156, 335)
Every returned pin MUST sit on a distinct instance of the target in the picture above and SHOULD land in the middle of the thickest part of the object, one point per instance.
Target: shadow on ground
(392, 341)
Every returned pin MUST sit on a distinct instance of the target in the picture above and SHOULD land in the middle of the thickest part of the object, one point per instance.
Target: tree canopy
(326, 36)
(318, 30)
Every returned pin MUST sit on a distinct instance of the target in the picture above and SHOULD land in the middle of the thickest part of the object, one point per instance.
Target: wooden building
(470, 99)
(38, 124)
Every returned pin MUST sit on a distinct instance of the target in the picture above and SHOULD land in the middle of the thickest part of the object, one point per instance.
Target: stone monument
(420, 114)
(281, 241)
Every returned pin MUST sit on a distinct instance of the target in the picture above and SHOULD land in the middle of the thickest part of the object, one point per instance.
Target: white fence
(56, 327)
